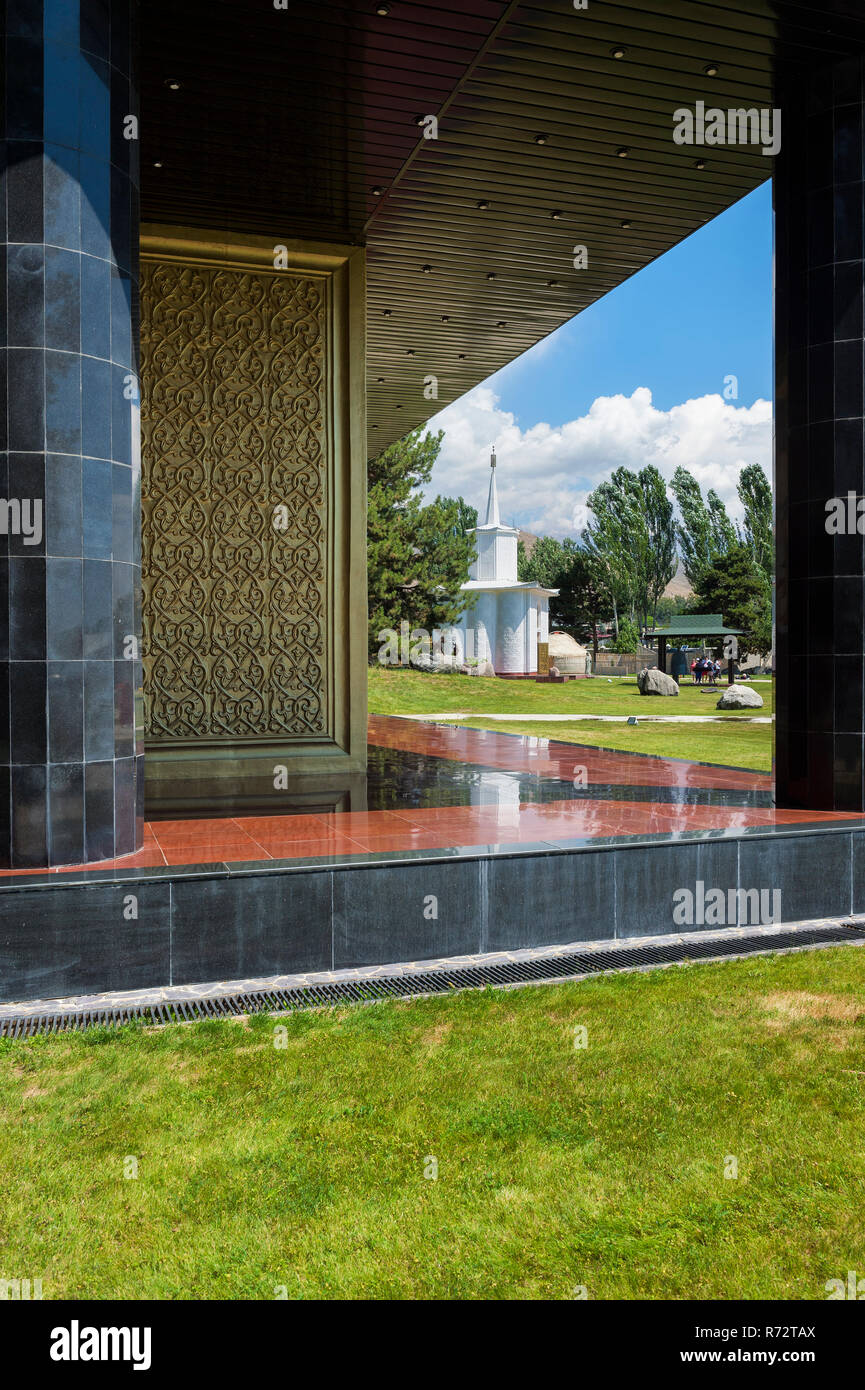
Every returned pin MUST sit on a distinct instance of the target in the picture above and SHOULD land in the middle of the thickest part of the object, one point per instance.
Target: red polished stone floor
(244, 839)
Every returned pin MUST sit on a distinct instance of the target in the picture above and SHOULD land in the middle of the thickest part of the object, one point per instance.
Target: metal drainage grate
(425, 982)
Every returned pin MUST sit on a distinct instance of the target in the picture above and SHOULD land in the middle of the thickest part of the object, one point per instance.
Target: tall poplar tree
(661, 558)
(755, 494)
(704, 529)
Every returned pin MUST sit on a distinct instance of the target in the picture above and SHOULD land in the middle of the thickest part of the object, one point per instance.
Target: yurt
(567, 655)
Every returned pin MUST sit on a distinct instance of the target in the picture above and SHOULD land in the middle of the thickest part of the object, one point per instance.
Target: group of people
(705, 668)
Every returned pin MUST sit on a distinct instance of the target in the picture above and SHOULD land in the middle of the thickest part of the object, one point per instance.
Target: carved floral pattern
(233, 412)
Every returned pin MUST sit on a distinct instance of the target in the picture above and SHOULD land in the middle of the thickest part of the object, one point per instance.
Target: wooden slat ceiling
(286, 121)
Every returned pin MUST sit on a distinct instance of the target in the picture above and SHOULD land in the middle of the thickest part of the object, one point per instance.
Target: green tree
(547, 562)
(669, 607)
(736, 587)
(661, 557)
(724, 535)
(468, 516)
(582, 601)
(755, 494)
(617, 537)
(417, 555)
(704, 529)
(626, 639)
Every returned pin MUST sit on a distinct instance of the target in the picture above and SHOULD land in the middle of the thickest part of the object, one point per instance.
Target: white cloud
(545, 473)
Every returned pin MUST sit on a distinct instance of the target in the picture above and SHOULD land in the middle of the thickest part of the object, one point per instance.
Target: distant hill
(529, 541)
(679, 586)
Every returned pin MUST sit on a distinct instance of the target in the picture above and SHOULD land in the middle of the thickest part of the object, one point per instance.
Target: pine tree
(417, 555)
(737, 588)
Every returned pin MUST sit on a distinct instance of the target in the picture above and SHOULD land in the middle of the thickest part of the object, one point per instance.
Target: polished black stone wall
(819, 455)
(71, 746)
(59, 936)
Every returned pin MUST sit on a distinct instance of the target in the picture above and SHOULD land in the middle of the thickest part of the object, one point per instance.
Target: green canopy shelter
(692, 625)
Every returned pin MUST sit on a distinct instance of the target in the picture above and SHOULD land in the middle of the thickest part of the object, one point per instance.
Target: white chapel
(505, 620)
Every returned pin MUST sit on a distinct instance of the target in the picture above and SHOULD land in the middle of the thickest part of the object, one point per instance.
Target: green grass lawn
(747, 745)
(304, 1166)
(396, 691)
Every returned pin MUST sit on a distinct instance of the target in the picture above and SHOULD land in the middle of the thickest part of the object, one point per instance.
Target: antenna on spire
(493, 518)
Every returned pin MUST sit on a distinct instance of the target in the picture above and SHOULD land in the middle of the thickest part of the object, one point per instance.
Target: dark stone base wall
(59, 938)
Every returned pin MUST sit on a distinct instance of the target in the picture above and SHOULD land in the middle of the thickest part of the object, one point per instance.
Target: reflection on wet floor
(402, 779)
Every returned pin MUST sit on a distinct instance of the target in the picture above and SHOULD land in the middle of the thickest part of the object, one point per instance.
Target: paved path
(604, 718)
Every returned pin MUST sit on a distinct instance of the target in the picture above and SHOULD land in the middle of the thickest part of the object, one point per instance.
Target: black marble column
(819, 455)
(71, 745)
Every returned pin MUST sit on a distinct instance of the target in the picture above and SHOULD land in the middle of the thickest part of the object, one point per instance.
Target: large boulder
(655, 682)
(740, 697)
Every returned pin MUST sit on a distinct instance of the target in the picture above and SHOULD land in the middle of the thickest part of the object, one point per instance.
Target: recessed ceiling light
(483, 204)
(541, 139)
(556, 216)
(426, 269)
(157, 163)
(419, 120)
(377, 191)
(461, 356)
(491, 275)
(699, 163)
(711, 69)
(386, 313)
(379, 379)
(502, 323)
(172, 83)
(382, 9)
(618, 52)
(446, 318)
(625, 223)
(551, 284)
(409, 352)
(623, 152)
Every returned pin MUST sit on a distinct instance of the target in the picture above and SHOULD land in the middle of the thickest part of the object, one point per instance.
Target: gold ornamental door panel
(246, 470)
(235, 502)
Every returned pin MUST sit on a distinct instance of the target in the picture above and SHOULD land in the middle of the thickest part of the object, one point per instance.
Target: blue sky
(638, 377)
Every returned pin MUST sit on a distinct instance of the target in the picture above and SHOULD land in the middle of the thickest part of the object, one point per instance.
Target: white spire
(493, 498)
